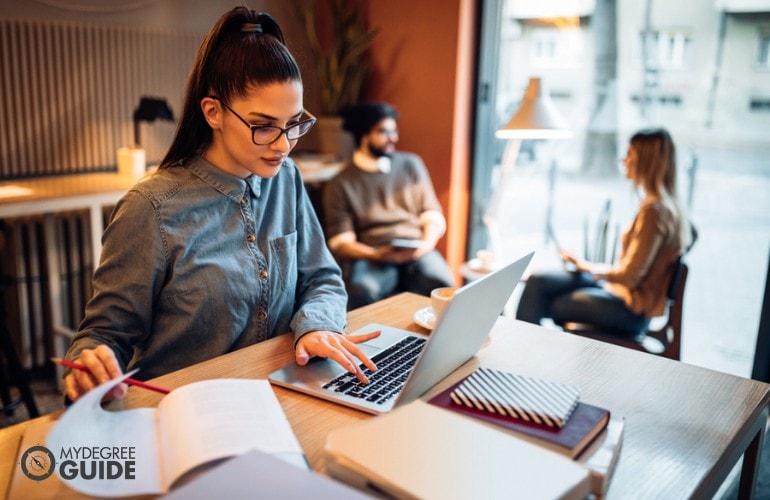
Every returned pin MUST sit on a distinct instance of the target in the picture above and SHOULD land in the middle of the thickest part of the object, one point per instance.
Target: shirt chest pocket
(283, 261)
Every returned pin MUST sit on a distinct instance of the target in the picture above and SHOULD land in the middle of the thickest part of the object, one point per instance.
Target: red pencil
(129, 381)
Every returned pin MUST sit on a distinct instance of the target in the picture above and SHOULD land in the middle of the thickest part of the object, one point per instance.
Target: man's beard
(379, 152)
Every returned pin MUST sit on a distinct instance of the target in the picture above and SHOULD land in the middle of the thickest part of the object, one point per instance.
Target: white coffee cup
(486, 260)
(440, 298)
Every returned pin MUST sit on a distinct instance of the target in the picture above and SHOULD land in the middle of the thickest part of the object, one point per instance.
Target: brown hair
(656, 162)
(656, 174)
(243, 50)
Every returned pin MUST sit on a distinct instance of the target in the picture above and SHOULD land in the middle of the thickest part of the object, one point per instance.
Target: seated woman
(219, 249)
(622, 298)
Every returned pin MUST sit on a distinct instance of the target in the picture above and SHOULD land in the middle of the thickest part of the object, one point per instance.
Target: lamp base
(131, 162)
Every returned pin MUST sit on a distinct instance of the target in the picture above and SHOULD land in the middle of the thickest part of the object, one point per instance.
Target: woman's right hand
(102, 366)
(580, 265)
(567, 257)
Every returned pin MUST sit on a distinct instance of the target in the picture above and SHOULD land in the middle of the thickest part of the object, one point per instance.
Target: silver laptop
(417, 361)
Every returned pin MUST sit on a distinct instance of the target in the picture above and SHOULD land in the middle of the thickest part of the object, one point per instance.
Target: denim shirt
(197, 263)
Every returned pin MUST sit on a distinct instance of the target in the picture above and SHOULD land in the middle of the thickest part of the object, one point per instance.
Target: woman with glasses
(621, 298)
(220, 248)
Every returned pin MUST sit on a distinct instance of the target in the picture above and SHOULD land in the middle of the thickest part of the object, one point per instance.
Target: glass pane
(612, 69)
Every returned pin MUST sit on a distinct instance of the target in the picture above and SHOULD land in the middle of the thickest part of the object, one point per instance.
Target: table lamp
(132, 161)
(535, 118)
(150, 109)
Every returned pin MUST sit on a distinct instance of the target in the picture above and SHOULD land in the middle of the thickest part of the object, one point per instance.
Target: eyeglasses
(264, 135)
(387, 131)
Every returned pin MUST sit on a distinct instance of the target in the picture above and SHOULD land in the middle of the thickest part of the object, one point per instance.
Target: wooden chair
(664, 340)
(17, 375)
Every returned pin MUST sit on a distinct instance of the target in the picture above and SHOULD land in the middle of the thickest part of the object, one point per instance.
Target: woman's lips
(274, 162)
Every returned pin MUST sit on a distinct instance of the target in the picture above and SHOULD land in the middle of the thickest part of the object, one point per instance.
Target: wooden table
(686, 427)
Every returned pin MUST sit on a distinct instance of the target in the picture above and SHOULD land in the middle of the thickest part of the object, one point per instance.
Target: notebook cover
(585, 423)
(534, 400)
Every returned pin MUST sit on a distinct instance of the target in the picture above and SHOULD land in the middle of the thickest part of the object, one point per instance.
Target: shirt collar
(368, 163)
(229, 185)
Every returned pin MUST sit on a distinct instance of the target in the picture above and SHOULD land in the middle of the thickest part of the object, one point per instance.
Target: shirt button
(263, 274)
(244, 201)
(262, 315)
(251, 238)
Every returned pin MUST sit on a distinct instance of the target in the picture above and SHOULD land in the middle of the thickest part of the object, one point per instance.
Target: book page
(212, 419)
(105, 453)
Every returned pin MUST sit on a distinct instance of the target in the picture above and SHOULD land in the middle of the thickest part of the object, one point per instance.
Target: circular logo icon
(37, 463)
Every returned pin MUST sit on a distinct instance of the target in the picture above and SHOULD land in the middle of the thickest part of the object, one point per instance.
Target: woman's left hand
(340, 348)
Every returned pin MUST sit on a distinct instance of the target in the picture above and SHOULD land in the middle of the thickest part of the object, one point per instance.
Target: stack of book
(488, 433)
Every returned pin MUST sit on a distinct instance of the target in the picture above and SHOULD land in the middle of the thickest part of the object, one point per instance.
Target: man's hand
(102, 366)
(340, 348)
(387, 253)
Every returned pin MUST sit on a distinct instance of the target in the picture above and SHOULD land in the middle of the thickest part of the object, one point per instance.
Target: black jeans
(576, 297)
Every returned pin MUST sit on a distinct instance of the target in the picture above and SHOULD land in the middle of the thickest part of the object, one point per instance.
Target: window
(762, 105)
(555, 47)
(667, 49)
(612, 86)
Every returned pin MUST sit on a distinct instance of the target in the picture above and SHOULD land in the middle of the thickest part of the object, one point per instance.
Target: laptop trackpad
(387, 338)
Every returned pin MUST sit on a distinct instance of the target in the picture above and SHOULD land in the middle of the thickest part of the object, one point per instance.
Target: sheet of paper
(91, 445)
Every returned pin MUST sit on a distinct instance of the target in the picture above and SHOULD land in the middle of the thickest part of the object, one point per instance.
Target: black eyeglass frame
(311, 120)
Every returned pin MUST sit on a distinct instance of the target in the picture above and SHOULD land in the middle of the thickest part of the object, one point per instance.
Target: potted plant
(338, 39)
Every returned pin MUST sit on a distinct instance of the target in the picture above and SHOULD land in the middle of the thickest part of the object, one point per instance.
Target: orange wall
(423, 62)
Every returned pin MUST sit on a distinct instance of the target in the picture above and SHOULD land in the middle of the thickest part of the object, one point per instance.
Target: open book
(147, 450)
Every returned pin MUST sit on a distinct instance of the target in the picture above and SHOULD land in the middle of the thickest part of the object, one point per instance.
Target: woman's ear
(212, 112)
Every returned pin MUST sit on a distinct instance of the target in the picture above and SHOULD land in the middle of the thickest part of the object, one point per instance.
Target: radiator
(28, 301)
(68, 92)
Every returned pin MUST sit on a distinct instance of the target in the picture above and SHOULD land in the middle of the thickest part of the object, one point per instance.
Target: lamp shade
(536, 118)
(149, 110)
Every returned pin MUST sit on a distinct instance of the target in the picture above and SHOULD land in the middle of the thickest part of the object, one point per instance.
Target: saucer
(425, 318)
(478, 266)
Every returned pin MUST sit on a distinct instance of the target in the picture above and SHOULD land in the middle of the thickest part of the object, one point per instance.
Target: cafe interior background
(73, 72)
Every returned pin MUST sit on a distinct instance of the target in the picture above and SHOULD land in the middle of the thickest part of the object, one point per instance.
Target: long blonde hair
(656, 174)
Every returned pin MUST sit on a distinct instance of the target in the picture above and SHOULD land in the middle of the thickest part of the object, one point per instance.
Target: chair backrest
(664, 340)
(670, 334)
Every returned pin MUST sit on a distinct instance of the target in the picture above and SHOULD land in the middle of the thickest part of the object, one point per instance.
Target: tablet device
(405, 243)
(568, 266)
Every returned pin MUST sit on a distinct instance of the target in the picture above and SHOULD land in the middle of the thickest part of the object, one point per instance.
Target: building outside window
(697, 76)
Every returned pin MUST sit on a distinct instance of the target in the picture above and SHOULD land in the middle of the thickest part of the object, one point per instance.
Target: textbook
(149, 450)
(583, 425)
(421, 451)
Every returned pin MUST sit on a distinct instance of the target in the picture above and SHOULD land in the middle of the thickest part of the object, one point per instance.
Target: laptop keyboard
(393, 367)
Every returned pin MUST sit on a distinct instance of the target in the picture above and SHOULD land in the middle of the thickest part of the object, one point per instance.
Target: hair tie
(251, 28)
